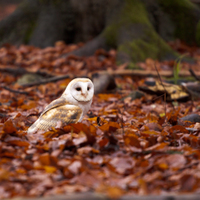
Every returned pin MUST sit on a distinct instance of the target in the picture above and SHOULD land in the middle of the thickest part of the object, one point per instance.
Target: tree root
(89, 48)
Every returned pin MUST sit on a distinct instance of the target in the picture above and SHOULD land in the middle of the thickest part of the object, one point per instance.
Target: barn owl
(71, 107)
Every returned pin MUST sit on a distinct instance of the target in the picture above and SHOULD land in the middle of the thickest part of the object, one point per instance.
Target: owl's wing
(58, 102)
(57, 110)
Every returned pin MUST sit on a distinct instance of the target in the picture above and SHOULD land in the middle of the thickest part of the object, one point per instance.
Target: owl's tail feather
(33, 128)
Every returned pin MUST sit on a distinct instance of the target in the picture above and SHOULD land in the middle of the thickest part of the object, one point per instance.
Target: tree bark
(138, 29)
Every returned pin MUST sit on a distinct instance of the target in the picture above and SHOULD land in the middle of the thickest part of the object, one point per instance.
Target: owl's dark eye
(78, 89)
(88, 88)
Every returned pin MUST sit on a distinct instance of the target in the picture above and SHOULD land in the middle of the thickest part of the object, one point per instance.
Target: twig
(14, 71)
(17, 71)
(14, 91)
(194, 75)
(144, 73)
(48, 80)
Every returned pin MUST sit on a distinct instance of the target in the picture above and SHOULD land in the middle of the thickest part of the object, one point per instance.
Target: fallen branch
(14, 91)
(194, 75)
(48, 80)
(144, 73)
(14, 71)
(18, 71)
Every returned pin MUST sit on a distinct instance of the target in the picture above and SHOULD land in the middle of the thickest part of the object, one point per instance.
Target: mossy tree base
(138, 29)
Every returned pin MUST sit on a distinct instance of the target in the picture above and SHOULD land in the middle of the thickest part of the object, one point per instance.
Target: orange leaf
(31, 104)
(110, 126)
(4, 174)
(150, 132)
(131, 139)
(50, 169)
(103, 142)
(114, 192)
(178, 128)
(8, 127)
(19, 143)
(163, 166)
(45, 159)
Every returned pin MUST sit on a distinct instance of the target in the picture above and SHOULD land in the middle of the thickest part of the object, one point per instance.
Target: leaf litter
(123, 146)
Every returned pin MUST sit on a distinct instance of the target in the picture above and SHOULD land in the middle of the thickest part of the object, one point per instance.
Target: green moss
(138, 50)
(29, 31)
(150, 45)
(181, 12)
(133, 35)
(111, 35)
(132, 12)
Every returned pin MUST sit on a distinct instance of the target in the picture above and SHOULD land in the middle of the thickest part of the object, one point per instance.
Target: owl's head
(81, 89)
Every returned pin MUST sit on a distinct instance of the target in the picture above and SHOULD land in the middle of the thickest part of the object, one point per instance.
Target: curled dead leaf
(9, 127)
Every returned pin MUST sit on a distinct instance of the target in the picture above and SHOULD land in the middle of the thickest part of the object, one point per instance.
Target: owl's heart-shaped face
(82, 90)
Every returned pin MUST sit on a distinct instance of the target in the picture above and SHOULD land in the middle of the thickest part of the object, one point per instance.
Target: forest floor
(124, 146)
(128, 145)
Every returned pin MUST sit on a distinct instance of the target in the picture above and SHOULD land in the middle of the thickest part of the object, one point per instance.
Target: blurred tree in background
(136, 28)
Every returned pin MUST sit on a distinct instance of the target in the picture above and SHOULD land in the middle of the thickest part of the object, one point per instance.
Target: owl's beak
(84, 94)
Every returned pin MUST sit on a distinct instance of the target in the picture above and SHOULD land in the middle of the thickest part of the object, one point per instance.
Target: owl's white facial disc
(82, 89)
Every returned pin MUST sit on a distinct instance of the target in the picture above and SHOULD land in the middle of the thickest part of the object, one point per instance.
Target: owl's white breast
(85, 108)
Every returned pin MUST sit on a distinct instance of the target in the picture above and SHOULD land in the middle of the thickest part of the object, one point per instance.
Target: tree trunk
(138, 29)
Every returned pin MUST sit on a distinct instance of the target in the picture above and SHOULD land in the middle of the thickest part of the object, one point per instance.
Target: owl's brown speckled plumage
(69, 108)
(64, 112)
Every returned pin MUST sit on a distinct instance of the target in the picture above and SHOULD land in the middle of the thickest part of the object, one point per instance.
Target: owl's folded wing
(55, 112)
(56, 103)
